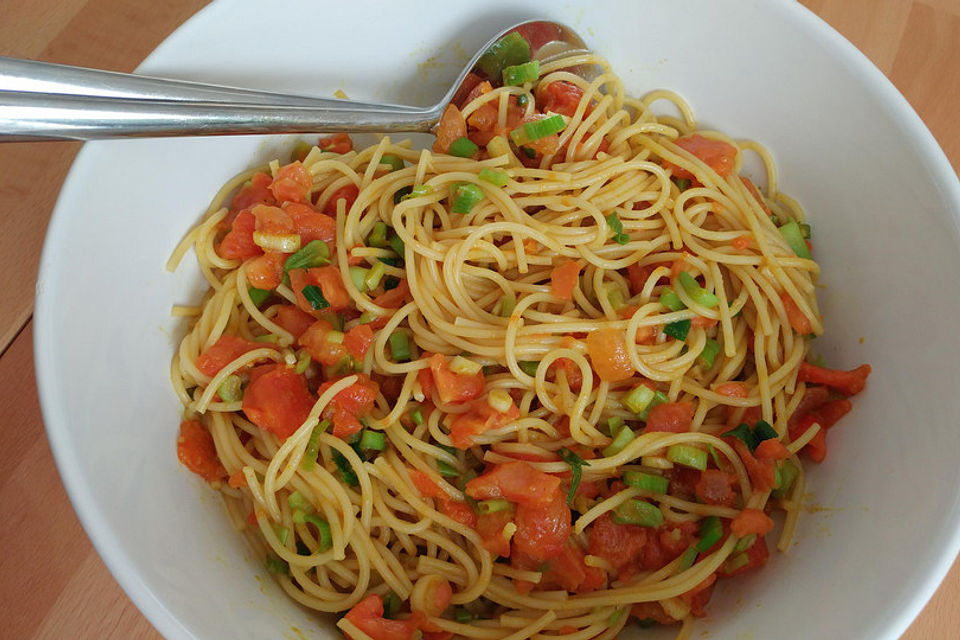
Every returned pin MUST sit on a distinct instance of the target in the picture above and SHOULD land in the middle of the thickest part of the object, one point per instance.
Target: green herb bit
(494, 177)
(682, 183)
(314, 296)
(639, 398)
(522, 100)
(258, 296)
(315, 254)
(624, 437)
(462, 616)
(742, 433)
(794, 236)
(492, 506)
(576, 470)
(519, 74)
(687, 456)
(303, 361)
(417, 417)
(398, 247)
(711, 530)
(529, 367)
(463, 147)
(277, 565)
(615, 616)
(710, 350)
(678, 329)
(391, 605)
(346, 471)
(400, 194)
(788, 475)
(418, 192)
(537, 129)
(395, 162)
(764, 431)
(447, 470)
(509, 50)
(230, 389)
(313, 446)
(670, 299)
(693, 289)
(638, 512)
(373, 440)
(530, 153)
(713, 454)
(745, 543)
(464, 196)
(378, 236)
(646, 481)
(686, 560)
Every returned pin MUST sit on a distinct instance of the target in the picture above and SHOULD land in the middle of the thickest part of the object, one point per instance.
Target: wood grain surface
(52, 583)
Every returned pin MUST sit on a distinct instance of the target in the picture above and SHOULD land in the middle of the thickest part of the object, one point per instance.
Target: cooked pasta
(547, 378)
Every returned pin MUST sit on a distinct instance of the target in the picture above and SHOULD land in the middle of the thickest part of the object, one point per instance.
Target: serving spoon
(42, 101)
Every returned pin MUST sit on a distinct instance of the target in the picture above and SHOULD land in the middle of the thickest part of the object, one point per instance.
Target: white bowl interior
(881, 196)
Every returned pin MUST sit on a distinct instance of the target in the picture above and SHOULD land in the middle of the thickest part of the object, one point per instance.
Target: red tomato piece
(238, 244)
(481, 417)
(757, 556)
(517, 482)
(314, 340)
(608, 354)
(673, 417)
(331, 284)
(762, 472)
(562, 97)
(798, 321)
(349, 404)
(638, 276)
(569, 571)
(714, 487)
(563, 279)
(337, 143)
(266, 271)
(196, 451)
(570, 370)
(699, 596)
(454, 387)
(348, 194)
(618, 544)
(716, 154)
(311, 224)
(849, 383)
(490, 528)
(278, 401)
(394, 298)
(358, 340)
(771, 449)
(751, 521)
(294, 320)
(367, 616)
(222, 352)
(292, 183)
(273, 220)
(542, 531)
(451, 126)
(256, 191)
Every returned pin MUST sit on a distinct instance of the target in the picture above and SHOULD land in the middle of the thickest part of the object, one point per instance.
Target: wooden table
(52, 583)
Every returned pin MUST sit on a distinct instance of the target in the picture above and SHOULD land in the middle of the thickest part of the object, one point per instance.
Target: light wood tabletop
(52, 582)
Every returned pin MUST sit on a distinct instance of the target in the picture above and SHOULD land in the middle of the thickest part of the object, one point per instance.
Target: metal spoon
(41, 101)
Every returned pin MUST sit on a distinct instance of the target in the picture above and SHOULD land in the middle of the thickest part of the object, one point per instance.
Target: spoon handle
(47, 116)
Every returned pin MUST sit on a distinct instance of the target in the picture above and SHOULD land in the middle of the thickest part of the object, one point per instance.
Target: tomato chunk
(278, 401)
(563, 97)
(266, 271)
(256, 191)
(563, 279)
(517, 482)
(238, 244)
(849, 383)
(311, 224)
(542, 531)
(349, 404)
(479, 418)
(367, 616)
(292, 183)
(451, 386)
(222, 352)
(751, 521)
(291, 318)
(714, 487)
(196, 451)
(716, 154)
(608, 354)
(673, 417)
(337, 143)
(358, 340)
(348, 194)
(451, 126)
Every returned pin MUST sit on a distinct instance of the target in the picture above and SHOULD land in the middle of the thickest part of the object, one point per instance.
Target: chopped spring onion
(509, 50)
(693, 289)
(682, 183)
(324, 537)
(492, 506)
(395, 162)
(315, 254)
(530, 153)
(397, 245)
(374, 275)
(401, 193)
(313, 446)
(447, 470)
(529, 367)
(257, 296)
(714, 455)
(277, 565)
(465, 366)
(614, 424)
(378, 236)
(613, 221)
(522, 100)
(391, 605)
(399, 346)
(622, 439)
(764, 431)
(736, 562)
(418, 192)
(518, 74)
(297, 501)
(709, 353)
(314, 296)
(230, 390)
(670, 299)
(687, 456)
(359, 277)
(805, 230)
(745, 543)
(508, 302)
(646, 481)
(462, 616)
(576, 470)
(375, 440)
(463, 147)
(614, 295)
(638, 512)
(282, 533)
(366, 317)
(711, 530)
(659, 397)
(303, 361)
(269, 338)
(788, 474)
(537, 129)
(494, 177)
(794, 236)
(615, 616)
(752, 437)
(282, 242)
(335, 337)
(417, 417)
(464, 196)
(678, 329)
(346, 471)
(687, 559)
(639, 398)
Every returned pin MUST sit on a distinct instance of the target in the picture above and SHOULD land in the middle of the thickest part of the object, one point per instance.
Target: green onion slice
(400, 346)
(711, 530)
(794, 236)
(646, 481)
(709, 353)
(230, 389)
(375, 440)
(670, 299)
(693, 289)
(463, 147)
(464, 196)
(509, 50)
(518, 74)
(624, 437)
(395, 162)
(494, 177)
(492, 506)
(638, 512)
(537, 129)
(378, 236)
(315, 254)
(639, 398)
(257, 296)
(313, 446)
(346, 471)
(687, 456)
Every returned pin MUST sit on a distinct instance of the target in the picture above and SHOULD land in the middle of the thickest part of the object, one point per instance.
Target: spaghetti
(542, 380)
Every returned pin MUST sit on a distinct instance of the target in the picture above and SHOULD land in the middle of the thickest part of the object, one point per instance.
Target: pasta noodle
(596, 369)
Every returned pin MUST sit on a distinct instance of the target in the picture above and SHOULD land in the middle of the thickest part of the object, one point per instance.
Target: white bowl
(885, 208)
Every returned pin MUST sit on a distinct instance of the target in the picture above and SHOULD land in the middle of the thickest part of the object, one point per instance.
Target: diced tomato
(570, 370)
(771, 449)
(673, 417)
(714, 487)
(699, 596)
(292, 183)
(424, 483)
(367, 616)
(329, 281)
(675, 539)
(817, 447)
(278, 401)
(222, 352)
(311, 224)
(849, 383)
(683, 482)
(798, 321)
(517, 482)
(740, 243)
(479, 89)
(456, 509)
(490, 528)
(813, 397)
(337, 143)
(459, 511)
(757, 556)
(826, 414)
(315, 341)
(699, 322)
(348, 194)
(273, 220)
(569, 571)
(542, 531)
(196, 451)
(451, 126)
(563, 279)
(652, 611)
(618, 544)
(238, 244)
(454, 387)
(349, 404)
(608, 354)
(762, 472)
(294, 320)
(479, 418)
(751, 521)
(266, 271)
(561, 97)
(716, 154)
(394, 298)
(237, 480)
(484, 118)
(358, 340)
(256, 191)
